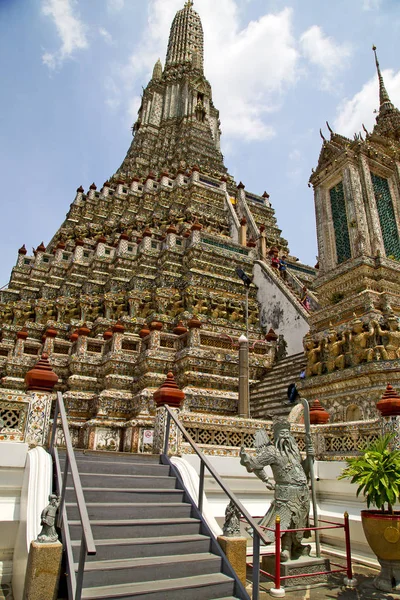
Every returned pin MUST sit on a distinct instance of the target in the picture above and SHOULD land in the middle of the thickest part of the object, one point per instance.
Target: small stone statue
(48, 535)
(231, 526)
(281, 348)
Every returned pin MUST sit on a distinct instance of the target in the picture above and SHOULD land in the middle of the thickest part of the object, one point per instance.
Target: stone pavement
(334, 588)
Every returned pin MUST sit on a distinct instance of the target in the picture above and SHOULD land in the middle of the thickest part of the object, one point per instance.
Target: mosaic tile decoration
(387, 217)
(339, 215)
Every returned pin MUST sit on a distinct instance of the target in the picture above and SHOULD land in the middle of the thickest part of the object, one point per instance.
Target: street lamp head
(245, 278)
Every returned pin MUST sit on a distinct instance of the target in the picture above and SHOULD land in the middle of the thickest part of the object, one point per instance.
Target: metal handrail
(87, 542)
(205, 463)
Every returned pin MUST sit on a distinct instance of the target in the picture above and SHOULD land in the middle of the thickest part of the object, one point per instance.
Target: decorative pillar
(101, 246)
(195, 237)
(22, 252)
(19, 345)
(145, 244)
(92, 189)
(49, 336)
(171, 237)
(155, 328)
(222, 186)
(164, 179)
(40, 250)
(167, 393)
(149, 183)
(123, 241)
(243, 408)
(195, 173)
(118, 334)
(194, 325)
(263, 243)
(135, 184)
(81, 345)
(39, 381)
(59, 252)
(389, 407)
(243, 232)
(105, 189)
(78, 251)
(79, 195)
(180, 177)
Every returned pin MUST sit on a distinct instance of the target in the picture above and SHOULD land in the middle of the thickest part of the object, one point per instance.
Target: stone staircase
(268, 396)
(151, 543)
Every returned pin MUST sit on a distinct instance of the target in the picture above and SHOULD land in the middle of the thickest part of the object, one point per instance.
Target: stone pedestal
(43, 571)
(388, 579)
(235, 551)
(305, 564)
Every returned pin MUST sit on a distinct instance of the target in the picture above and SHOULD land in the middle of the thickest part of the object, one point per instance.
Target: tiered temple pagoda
(140, 278)
(353, 348)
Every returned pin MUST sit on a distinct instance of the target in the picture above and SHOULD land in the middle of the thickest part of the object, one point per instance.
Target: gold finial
(189, 4)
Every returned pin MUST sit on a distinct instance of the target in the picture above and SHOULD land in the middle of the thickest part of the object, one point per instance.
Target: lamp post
(244, 383)
(247, 282)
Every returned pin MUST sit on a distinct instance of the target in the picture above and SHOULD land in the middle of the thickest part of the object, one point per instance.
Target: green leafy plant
(377, 473)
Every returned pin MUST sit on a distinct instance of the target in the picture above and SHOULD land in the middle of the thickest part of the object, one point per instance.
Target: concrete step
(123, 481)
(141, 547)
(146, 510)
(127, 570)
(114, 456)
(130, 528)
(120, 467)
(123, 494)
(200, 587)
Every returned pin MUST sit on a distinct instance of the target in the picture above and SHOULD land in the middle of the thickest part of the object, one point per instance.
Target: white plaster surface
(35, 491)
(278, 310)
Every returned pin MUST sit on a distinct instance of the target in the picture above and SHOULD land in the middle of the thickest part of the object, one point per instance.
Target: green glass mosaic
(224, 246)
(387, 218)
(339, 215)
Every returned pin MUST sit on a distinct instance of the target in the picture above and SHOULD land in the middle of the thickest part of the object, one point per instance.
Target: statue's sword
(310, 458)
(293, 394)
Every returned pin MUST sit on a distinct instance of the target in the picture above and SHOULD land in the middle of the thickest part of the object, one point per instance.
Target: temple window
(340, 225)
(387, 219)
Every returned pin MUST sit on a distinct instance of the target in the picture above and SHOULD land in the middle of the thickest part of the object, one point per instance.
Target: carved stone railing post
(170, 394)
(40, 381)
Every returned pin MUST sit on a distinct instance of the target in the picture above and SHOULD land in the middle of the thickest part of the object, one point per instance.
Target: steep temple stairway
(268, 397)
(151, 542)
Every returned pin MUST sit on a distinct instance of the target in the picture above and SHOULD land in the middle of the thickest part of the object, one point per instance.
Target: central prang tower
(140, 277)
(178, 125)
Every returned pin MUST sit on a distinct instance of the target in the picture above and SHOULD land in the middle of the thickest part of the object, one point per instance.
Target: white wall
(12, 463)
(278, 310)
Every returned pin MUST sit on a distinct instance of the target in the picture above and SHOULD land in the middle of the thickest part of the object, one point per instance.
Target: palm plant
(377, 473)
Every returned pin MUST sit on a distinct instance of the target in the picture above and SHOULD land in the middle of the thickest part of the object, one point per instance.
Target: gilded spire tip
(385, 102)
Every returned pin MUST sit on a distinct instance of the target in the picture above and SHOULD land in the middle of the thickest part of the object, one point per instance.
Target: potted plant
(377, 473)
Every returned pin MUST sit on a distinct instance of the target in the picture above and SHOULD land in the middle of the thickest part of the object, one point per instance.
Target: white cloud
(258, 62)
(106, 35)
(359, 109)
(324, 53)
(71, 30)
(115, 5)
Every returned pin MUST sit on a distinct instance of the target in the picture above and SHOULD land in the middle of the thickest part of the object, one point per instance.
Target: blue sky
(72, 73)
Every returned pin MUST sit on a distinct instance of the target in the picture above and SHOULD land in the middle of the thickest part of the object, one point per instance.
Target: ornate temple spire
(385, 103)
(388, 117)
(186, 38)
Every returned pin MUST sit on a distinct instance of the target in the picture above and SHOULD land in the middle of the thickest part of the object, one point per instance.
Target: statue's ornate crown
(280, 425)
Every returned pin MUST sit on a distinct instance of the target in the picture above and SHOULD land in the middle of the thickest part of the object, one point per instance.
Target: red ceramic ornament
(169, 393)
(41, 377)
(389, 404)
(318, 415)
